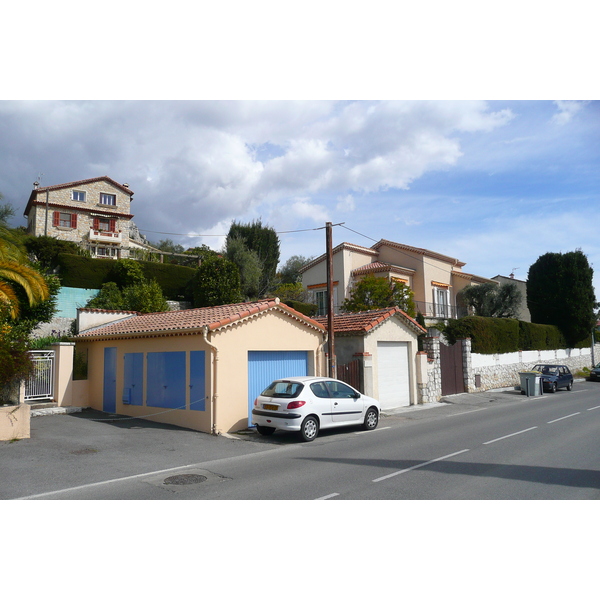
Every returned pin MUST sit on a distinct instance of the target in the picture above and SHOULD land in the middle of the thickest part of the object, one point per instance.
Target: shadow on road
(580, 478)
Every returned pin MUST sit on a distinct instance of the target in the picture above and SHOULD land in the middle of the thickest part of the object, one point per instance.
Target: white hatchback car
(308, 404)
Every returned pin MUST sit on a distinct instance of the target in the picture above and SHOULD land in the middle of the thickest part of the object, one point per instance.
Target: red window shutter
(113, 223)
(74, 221)
(96, 223)
(56, 219)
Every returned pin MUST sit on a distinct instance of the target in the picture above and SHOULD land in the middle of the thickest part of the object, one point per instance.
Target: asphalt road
(475, 446)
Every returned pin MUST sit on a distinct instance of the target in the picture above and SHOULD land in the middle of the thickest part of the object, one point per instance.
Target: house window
(66, 220)
(109, 199)
(442, 302)
(104, 224)
(321, 302)
(103, 251)
(78, 196)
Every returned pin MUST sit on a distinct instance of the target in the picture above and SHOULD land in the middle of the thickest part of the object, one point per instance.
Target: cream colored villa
(434, 278)
(94, 213)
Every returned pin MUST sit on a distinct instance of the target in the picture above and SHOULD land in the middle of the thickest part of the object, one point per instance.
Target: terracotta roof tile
(379, 267)
(362, 322)
(191, 320)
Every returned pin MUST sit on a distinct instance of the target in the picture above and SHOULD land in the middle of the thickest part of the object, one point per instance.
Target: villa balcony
(105, 237)
(431, 310)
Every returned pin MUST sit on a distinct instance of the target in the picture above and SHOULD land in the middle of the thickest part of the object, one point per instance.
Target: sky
(495, 184)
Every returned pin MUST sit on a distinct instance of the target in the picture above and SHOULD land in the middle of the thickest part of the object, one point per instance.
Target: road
(527, 448)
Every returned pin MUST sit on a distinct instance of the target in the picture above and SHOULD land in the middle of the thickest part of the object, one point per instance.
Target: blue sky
(494, 184)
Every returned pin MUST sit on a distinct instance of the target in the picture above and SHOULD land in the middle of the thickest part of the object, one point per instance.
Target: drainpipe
(213, 399)
(325, 341)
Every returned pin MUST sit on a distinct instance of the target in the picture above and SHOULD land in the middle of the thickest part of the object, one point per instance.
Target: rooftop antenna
(38, 180)
(512, 274)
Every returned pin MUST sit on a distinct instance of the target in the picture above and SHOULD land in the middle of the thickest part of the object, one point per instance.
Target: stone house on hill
(94, 213)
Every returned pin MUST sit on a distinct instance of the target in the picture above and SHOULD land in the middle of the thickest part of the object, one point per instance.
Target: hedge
(498, 336)
(91, 273)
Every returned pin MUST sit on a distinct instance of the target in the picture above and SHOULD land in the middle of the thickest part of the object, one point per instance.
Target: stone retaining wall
(491, 371)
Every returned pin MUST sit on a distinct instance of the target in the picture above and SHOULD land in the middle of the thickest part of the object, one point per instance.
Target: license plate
(270, 406)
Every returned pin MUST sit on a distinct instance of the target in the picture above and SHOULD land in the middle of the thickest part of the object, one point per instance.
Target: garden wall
(491, 371)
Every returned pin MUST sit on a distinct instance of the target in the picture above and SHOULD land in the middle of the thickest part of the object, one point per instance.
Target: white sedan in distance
(309, 404)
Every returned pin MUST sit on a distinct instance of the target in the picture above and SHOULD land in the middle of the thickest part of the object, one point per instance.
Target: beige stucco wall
(229, 412)
(14, 422)
(344, 262)
(36, 222)
(393, 330)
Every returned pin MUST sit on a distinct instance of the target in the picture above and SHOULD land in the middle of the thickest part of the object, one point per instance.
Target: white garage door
(393, 377)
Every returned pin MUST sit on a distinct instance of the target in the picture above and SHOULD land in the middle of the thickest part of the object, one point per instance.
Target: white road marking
(371, 431)
(419, 466)
(594, 408)
(327, 497)
(510, 435)
(91, 485)
(467, 412)
(555, 420)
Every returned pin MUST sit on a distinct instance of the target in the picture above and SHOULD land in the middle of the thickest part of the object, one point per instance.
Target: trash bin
(531, 383)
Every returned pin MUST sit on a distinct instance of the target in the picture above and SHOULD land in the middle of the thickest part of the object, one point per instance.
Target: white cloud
(345, 204)
(567, 109)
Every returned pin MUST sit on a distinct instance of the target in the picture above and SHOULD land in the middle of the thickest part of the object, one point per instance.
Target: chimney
(126, 185)
(512, 275)
(36, 185)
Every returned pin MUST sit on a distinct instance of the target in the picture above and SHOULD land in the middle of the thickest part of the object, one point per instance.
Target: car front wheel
(309, 429)
(371, 419)
(554, 387)
(570, 386)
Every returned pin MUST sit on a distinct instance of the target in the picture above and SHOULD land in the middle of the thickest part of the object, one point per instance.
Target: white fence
(40, 386)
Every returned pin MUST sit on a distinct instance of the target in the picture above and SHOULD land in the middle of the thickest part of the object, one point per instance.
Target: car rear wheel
(265, 430)
(309, 428)
(371, 419)
(570, 386)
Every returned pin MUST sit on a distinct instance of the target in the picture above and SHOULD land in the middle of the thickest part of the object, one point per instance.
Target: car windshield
(283, 389)
(546, 369)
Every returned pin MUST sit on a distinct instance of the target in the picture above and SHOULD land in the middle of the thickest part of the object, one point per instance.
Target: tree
(377, 292)
(130, 291)
(216, 282)
(6, 212)
(560, 292)
(264, 241)
(15, 270)
(491, 300)
(291, 292)
(45, 250)
(248, 264)
(290, 272)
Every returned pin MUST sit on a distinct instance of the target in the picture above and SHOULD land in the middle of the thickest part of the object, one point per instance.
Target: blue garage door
(264, 367)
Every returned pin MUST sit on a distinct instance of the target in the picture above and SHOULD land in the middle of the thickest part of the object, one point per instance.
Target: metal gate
(40, 385)
(451, 364)
(351, 374)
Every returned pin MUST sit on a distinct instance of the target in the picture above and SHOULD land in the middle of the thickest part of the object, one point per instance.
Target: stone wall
(431, 389)
(491, 371)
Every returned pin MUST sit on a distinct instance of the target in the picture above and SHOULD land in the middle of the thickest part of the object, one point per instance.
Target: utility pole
(331, 337)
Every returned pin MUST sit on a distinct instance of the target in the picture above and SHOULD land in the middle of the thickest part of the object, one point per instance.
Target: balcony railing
(441, 311)
(111, 237)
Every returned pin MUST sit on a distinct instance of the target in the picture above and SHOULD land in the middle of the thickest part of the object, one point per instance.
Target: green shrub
(92, 273)
(310, 310)
(498, 336)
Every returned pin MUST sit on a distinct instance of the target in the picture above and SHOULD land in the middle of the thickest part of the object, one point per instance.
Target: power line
(224, 234)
